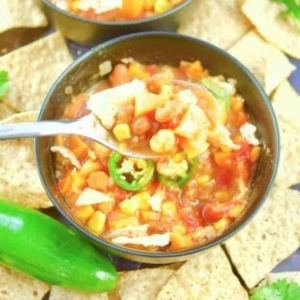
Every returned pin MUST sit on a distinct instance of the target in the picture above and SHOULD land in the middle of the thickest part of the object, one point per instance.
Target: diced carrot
(65, 184)
(119, 75)
(222, 196)
(78, 146)
(133, 9)
(98, 180)
(75, 106)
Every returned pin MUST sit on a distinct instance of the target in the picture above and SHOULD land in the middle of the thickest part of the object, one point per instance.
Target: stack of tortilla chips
(250, 30)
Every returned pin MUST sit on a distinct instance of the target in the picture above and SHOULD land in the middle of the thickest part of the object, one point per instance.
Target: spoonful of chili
(147, 118)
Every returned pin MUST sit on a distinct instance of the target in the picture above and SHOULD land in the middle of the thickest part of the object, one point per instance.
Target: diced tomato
(152, 69)
(190, 217)
(224, 177)
(244, 152)
(211, 214)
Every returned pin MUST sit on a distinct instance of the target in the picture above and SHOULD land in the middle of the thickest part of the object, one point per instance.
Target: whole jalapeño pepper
(130, 173)
(43, 248)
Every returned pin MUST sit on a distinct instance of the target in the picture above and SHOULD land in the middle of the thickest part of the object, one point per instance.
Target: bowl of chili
(91, 22)
(213, 181)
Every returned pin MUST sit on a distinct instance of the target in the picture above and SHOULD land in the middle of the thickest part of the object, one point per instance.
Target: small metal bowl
(89, 32)
(167, 48)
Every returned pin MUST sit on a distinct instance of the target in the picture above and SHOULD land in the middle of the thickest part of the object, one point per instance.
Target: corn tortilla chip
(19, 180)
(143, 284)
(59, 293)
(267, 63)
(15, 286)
(286, 103)
(275, 29)
(20, 14)
(207, 277)
(271, 237)
(219, 22)
(32, 70)
(290, 276)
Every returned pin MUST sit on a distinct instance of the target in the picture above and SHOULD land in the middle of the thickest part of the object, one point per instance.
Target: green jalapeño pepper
(180, 181)
(130, 173)
(43, 248)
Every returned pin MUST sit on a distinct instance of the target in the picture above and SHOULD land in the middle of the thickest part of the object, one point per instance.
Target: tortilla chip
(286, 103)
(14, 285)
(208, 275)
(32, 70)
(19, 180)
(143, 284)
(275, 29)
(266, 62)
(271, 237)
(59, 293)
(20, 14)
(290, 276)
(6, 110)
(219, 22)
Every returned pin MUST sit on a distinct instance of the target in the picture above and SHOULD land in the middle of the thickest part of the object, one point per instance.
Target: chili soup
(116, 10)
(178, 201)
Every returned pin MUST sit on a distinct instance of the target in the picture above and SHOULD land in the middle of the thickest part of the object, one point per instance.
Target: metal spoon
(88, 126)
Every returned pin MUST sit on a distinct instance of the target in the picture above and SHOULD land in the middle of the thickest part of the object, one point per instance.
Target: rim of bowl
(186, 252)
(118, 23)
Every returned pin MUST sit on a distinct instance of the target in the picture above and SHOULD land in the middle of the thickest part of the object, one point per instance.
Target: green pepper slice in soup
(129, 173)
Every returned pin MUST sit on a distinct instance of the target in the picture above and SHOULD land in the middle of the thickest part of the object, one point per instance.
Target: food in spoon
(116, 10)
(174, 202)
(42, 247)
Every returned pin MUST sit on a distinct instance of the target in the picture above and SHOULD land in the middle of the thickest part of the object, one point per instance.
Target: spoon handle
(34, 129)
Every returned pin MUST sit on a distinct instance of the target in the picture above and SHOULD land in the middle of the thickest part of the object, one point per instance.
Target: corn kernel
(160, 6)
(78, 182)
(178, 157)
(97, 222)
(129, 207)
(255, 153)
(141, 199)
(122, 132)
(236, 211)
(225, 149)
(141, 164)
(204, 179)
(84, 212)
(149, 215)
(221, 225)
(168, 209)
(222, 196)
